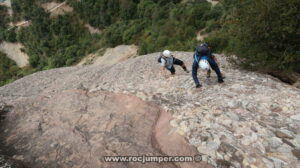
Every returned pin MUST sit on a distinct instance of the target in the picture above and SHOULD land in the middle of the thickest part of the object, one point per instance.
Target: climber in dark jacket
(202, 51)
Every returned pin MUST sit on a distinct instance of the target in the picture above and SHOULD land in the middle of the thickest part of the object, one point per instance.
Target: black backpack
(202, 50)
(159, 59)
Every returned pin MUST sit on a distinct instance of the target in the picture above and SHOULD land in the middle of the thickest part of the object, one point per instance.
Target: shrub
(8, 69)
(267, 34)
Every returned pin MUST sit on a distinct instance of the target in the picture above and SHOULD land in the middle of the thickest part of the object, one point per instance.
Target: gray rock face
(296, 153)
(234, 124)
(73, 128)
(275, 142)
(284, 134)
(6, 162)
(296, 117)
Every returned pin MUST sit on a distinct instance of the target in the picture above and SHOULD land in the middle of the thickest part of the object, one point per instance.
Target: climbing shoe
(220, 80)
(198, 86)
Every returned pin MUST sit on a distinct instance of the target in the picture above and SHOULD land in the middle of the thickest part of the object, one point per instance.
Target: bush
(8, 69)
(55, 42)
(3, 22)
(154, 25)
(271, 39)
(10, 35)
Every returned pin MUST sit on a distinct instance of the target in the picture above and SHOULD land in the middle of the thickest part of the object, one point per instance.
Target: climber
(167, 61)
(203, 58)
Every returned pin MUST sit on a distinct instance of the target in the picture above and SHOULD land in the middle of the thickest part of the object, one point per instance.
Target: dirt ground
(13, 51)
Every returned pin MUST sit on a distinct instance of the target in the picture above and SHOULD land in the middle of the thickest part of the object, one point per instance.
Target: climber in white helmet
(167, 62)
(203, 58)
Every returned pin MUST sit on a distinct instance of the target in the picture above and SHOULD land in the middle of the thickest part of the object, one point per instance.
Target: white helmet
(167, 53)
(204, 65)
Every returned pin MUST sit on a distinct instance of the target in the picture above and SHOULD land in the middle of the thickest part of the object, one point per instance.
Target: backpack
(169, 61)
(202, 50)
(159, 59)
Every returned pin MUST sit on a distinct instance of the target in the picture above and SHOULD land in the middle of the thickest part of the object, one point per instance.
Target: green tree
(8, 69)
(266, 34)
(3, 22)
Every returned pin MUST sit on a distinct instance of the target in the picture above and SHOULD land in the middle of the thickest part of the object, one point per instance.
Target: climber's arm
(163, 69)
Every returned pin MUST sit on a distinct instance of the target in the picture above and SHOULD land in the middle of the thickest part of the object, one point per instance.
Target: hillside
(61, 33)
(72, 117)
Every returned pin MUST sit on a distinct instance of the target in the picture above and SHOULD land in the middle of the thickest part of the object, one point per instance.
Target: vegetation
(270, 39)
(8, 69)
(52, 42)
(3, 23)
(49, 42)
(262, 34)
(55, 42)
(151, 24)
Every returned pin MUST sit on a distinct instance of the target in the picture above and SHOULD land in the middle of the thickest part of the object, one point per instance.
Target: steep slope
(251, 120)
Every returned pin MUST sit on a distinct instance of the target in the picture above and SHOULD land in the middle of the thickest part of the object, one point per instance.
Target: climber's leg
(180, 63)
(218, 63)
(172, 70)
(215, 67)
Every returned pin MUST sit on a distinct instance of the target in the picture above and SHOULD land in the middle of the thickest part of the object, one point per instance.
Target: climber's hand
(163, 72)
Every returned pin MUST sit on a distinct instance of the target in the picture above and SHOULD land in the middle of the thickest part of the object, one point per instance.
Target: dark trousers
(176, 62)
(212, 64)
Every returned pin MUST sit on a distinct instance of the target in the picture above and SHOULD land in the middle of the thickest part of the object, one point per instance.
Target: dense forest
(3, 22)
(262, 34)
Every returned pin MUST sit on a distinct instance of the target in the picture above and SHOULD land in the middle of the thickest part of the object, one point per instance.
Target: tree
(8, 69)
(266, 34)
